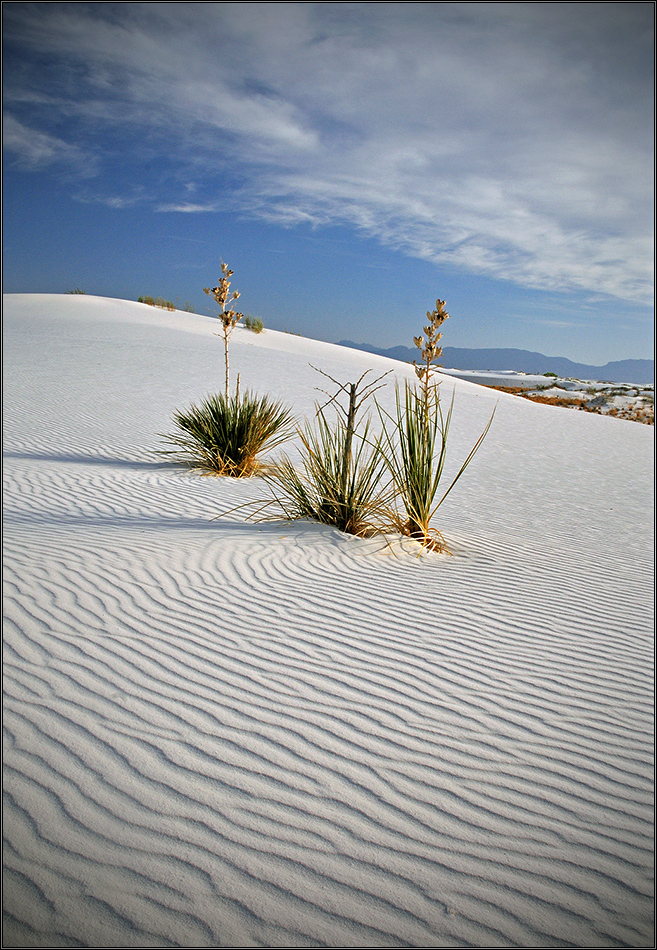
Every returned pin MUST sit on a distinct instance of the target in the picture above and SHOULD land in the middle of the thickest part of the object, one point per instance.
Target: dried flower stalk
(429, 346)
(229, 318)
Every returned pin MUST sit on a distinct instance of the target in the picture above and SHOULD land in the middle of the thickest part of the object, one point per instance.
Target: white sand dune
(226, 734)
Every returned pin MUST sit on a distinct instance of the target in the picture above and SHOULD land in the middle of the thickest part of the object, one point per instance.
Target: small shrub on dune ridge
(225, 434)
(254, 324)
(157, 302)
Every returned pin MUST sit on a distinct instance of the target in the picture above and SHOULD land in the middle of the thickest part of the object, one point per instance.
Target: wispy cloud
(561, 324)
(509, 140)
(91, 196)
(187, 208)
(35, 149)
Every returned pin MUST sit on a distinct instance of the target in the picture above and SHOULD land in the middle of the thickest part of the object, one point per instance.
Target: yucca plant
(332, 488)
(415, 456)
(225, 434)
(342, 481)
(416, 451)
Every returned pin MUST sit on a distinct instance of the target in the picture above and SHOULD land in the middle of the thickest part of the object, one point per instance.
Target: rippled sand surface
(226, 734)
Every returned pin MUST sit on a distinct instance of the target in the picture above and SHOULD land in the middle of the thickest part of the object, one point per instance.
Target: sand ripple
(208, 751)
(219, 734)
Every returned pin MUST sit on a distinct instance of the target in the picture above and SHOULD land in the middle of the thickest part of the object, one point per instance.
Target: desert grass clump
(157, 302)
(254, 324)
(415, 446)
(224, 435)
(229, 318)
(342, 481)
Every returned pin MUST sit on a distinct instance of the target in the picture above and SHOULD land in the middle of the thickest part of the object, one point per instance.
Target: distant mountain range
(523, 361)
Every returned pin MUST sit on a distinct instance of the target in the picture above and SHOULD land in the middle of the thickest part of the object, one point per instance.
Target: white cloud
(512, 140)
(35, 149)
(187, 208)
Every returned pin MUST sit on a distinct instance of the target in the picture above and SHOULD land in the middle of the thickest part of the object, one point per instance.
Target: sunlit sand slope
(220, 733)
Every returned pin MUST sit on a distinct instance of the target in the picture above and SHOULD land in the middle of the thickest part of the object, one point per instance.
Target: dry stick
(342, 387)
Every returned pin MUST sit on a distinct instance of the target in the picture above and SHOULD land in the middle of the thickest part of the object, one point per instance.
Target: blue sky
(351, 162)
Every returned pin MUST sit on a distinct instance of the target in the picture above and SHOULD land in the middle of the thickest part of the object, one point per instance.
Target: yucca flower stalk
(229, 318)
(429, 347)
